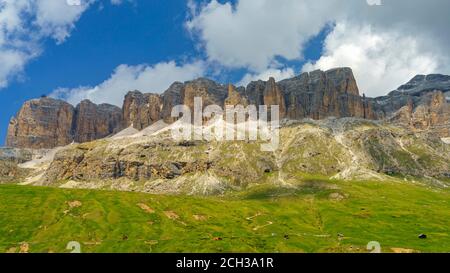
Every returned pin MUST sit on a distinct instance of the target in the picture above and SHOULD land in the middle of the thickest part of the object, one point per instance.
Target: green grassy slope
(261, 219)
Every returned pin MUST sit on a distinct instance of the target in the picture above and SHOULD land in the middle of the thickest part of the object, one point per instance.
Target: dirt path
(269, 223)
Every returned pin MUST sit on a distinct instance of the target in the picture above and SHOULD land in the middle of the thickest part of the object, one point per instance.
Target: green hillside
(317, 216)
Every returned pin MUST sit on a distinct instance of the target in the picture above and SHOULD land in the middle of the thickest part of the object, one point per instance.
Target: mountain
(47, 123)
(334, 149)
(421, 104)
(425, 83)
(328, 129)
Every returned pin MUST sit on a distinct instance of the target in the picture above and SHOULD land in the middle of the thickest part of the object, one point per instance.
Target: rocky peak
(210, 92)
(320, 94)
(42, 123)
(234, 98)
(343, 79)
(141, 110)
(215, 91)
(274, 96)
(417, 90)
(431, 113)
(426, 83)
(47, 123)
(94, 121)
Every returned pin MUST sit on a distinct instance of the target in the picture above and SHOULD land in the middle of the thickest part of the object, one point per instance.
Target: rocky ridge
(421, 104)
(47, 123)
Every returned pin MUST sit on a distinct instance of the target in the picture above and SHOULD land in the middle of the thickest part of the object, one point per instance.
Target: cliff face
(171, 98)
(47, 123)
(42, 123)
(322, 94)
(431, 113)
(314, 95)
(141, 110)
(96, 121)
(414, 92)
(274, 96)
(210, 92)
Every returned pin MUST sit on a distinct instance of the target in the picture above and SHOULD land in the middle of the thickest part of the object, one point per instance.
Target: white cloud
(25, 24)
(278, 74)
(254, 32)
(386, 45)
(11, 62)
(56, 18)
(126, 78)
(381, 61)
(13, 53)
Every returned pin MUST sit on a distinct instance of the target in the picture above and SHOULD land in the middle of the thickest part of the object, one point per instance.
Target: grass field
(319, 216)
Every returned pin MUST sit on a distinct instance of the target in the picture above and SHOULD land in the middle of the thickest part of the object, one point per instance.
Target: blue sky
(101, 50)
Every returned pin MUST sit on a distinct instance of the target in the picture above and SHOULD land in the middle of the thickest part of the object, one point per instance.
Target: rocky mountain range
(420, 104)
(48, 123)
(328, 129)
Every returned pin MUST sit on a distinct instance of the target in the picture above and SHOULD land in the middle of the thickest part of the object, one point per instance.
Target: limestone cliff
(42, 123)
(47, 123)
(141, 110)
(96, 121)
(322, 94)
(234, 97)
(431, 113)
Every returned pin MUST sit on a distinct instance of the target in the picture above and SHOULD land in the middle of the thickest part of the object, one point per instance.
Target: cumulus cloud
(254, 32)
(381, 61)
(11, 62)
(56, 18)
(25, 24)
(385, 44)
(278, 74)
(126, 78)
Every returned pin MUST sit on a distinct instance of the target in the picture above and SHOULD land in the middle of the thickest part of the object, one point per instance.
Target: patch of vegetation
(318, 215)
(314, 155)
(376, 150)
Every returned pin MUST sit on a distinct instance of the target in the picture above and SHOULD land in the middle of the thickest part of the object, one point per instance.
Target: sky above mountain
(101, 49)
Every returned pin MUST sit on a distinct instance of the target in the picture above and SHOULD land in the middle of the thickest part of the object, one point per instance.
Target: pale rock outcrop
(141, 110)
(96, 121)
(46, 123)
(42, 123)
(431, 113)
(234, 97)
